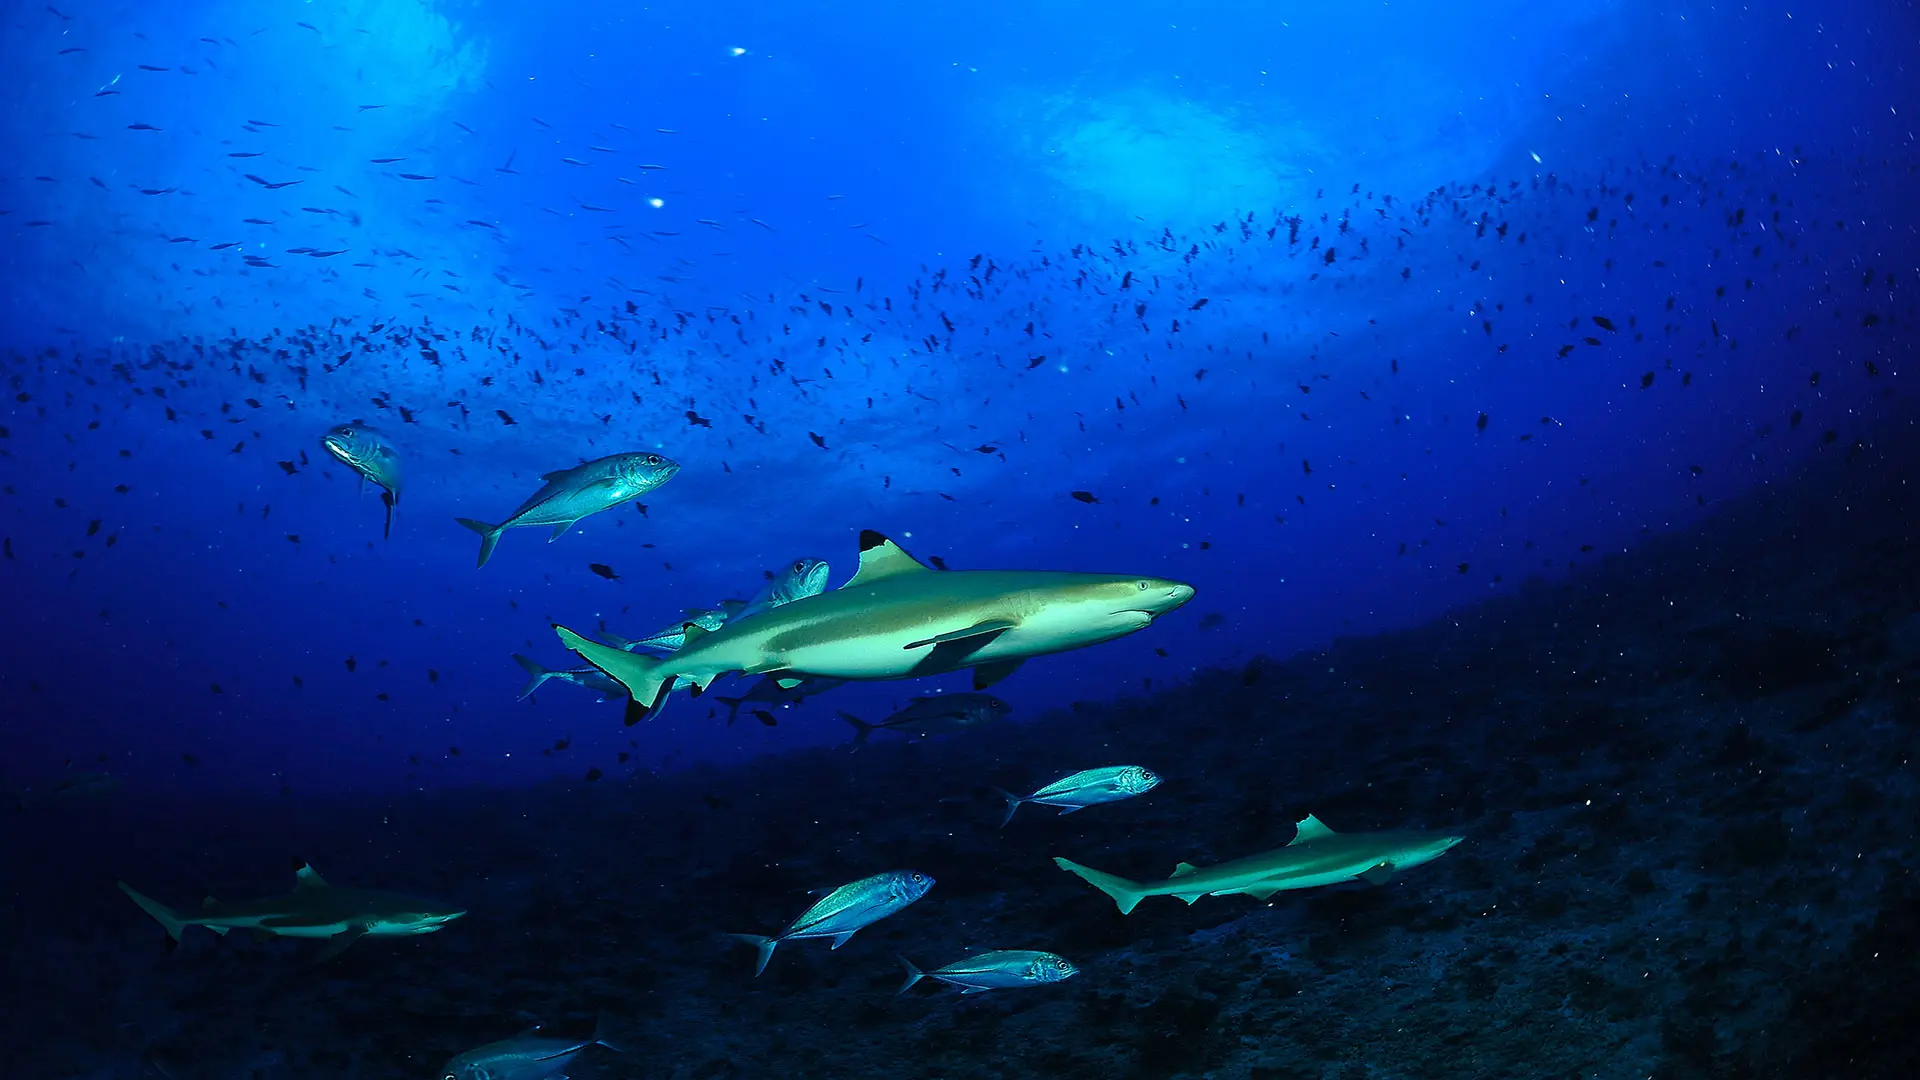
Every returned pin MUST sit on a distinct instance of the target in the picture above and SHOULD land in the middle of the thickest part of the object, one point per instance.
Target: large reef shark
(899, 619)
(314, 909)
(1316, 856)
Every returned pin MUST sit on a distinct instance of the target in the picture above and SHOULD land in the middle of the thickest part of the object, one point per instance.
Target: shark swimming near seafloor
(1316, 856)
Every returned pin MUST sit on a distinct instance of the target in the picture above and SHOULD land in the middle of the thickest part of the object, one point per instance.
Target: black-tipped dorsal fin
(306, 877)
(881, 558)
(1308, 830)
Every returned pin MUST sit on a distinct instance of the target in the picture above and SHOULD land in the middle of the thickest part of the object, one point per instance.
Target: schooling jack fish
(368, 453)
(571, 494)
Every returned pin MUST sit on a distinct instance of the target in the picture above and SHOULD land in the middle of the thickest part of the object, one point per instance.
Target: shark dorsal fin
(1183, 870)
(306, 877)
(881, 558)
(1308, 830)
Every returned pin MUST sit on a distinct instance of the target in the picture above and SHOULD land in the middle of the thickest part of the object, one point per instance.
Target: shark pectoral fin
(1182, 870)
(788, 682)
(1189, 897)
(989, 626)
(985, 675)
(974, 989)
(1308, 830)
(1260, 893)
(1378, 874)
(338, 943)
(841, 939)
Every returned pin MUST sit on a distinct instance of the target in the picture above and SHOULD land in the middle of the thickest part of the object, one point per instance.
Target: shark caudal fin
(1125, 893)
(168, 918)
(639, 674)
(538, 675)
(764, 944)
(489, 537)
(861, 729)
(914, 975)
(1013, 803)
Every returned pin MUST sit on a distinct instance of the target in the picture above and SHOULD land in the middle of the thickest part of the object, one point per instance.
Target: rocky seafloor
(1686, 773)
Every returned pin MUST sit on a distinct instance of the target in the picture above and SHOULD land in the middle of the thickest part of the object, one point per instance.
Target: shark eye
(1145, 585)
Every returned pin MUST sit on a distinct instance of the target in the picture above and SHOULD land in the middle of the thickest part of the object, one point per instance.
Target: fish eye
(653, 459)
(800, 567)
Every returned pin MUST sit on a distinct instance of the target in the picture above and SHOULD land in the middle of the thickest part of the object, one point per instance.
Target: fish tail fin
(489, 537)
(639, 674)
(761, 942)
(539, 675)
(914, 975)
(733, 707)
(168, 918)
(1013, 803)
(1125, 893)
(390, 501)
(618, 642)
(861, 729)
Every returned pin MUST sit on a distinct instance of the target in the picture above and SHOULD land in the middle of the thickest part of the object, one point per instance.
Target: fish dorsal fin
(1183, 870)
(1309, 829)
(733, 607)
(306, 877)
(557, 474)
(881, 558)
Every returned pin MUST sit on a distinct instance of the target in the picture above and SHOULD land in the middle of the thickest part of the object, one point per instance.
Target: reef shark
(314, 909)
(899, 619)
(1316, 856)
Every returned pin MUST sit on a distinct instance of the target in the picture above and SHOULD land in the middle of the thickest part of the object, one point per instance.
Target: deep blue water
(1520, 387)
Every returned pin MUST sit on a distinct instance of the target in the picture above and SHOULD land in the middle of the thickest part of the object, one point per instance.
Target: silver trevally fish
(800, 579)
(1316, 856)
(590, 678)
(899, 619)
(314, 909)
(842, 912)
(571, 494)
(939, 714)
(527, 1056)
(998, 970)
(368, 453)
(670, 638)
(770, 693)
(1089, 787)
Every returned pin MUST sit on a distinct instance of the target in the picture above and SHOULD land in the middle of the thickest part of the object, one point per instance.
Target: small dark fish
(604, 571)
(413, 176)
(149, 67)
(141, 127)
(386, 160)
(1085, 496)
(1604, 323)
(818, 440)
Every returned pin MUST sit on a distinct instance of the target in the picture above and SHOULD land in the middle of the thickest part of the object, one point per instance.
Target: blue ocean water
(1517, 388)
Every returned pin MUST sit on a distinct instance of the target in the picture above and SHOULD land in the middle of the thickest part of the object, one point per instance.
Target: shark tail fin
(639, 674)
(761, 942)
(168, 918)
(861, 729)
(1013, 803)
(489, 537)
(1125, 893)
(538, 675)
(914, 975)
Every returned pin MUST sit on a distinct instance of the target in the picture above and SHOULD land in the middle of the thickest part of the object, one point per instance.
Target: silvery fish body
(530, 1056)
(1089, 787)
(998, 970)
(571, 494)
(590, 678)
(845, 910)
(670, 638)
(368, 453)
(800, 579)
(941, 714)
